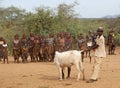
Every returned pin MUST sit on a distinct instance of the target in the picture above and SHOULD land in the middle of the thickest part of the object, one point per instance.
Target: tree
(11, 16)
(66, 15)
(41, 21)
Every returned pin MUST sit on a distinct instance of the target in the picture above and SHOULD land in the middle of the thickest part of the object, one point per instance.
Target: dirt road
(45, 75)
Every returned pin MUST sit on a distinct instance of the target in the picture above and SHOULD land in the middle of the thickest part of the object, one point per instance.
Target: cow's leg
(63, 76)
(69, 71)
(78, 68)
(60, 71)
(82, 70)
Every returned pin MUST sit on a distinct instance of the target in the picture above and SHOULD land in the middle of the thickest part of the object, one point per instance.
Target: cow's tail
(81, 65)
(82, 69)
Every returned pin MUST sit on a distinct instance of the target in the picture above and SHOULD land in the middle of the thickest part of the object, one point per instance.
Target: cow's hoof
(67, 77)
(60, 79)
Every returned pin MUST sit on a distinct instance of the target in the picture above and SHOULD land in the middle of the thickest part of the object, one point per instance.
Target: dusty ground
(45, 75)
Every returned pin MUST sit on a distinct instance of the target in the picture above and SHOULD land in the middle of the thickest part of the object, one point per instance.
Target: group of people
(37, 47)
(40, 48)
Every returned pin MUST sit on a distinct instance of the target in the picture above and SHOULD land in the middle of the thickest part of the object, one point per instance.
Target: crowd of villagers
(41, 49)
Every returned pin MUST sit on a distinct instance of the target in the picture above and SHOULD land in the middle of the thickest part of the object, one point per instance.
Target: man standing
(5, 52)
(100, 53)
(1, 51)
(81, 45)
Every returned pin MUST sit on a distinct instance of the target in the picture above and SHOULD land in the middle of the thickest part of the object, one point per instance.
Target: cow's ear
(56, 52)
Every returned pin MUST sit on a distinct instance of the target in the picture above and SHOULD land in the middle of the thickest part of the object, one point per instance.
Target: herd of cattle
(40, 48)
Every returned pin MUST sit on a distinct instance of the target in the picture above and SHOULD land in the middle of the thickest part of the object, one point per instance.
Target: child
(5, 52)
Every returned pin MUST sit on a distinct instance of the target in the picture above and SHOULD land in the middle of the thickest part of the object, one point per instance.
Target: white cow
(67, 59)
